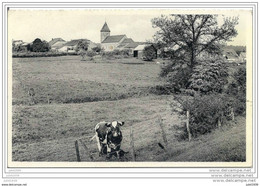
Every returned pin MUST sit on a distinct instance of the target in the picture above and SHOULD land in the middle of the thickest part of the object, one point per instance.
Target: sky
(27, 25)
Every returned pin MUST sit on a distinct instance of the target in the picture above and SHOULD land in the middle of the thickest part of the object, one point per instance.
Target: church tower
(104, 32)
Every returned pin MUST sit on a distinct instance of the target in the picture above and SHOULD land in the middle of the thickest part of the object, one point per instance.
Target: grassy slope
(69, 80)
(48, 132)
(225, 144)
(45, 132)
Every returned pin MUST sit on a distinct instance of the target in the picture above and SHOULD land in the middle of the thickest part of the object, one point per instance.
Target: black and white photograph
(136, 93)
(140, 86)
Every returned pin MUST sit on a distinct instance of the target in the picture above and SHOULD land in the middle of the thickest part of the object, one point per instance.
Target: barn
(139, 50)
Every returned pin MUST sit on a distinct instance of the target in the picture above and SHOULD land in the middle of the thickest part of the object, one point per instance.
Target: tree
(149, 53)
(39, 46)
(82, 45)
(82, 48)
(188, 37)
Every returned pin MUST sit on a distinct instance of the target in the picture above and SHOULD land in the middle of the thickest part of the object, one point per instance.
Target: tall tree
(188, 36)
(39, 46)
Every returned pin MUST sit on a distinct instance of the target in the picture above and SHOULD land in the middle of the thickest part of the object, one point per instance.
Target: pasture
(72, 96)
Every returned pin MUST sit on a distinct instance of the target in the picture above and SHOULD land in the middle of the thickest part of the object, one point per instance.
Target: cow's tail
(93, 137)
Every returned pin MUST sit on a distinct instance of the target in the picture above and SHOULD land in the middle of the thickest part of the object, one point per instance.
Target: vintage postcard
(130, 87)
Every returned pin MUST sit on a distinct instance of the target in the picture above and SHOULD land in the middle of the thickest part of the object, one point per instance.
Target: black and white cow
(109, 137)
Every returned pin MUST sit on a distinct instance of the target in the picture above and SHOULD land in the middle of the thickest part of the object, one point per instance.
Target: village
(110, 43)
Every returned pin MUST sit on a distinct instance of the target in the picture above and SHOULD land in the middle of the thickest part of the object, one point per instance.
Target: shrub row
(40, 54)
(116, 54)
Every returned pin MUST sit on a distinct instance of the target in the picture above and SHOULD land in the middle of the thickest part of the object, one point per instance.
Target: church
(112, 42)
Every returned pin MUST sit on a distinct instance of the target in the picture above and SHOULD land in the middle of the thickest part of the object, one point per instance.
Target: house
(242, 57)
(17, 42)
(230, 55)
(71, 46)
(56, 43)
(110, 43)
(132, 46)
(139, 50)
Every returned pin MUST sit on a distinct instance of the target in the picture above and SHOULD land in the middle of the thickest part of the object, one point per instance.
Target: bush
(149, 53)
(237, 91)
(97, 49)
(91, 53)
(205, 112)
(176, 74)
(209, 76)
(116, 54)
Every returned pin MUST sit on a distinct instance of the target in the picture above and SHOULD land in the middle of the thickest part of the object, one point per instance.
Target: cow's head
(115, 128)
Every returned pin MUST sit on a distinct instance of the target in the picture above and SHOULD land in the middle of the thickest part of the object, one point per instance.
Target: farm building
(56, 43)
(242, 57)
(132, 46)
(139, 50)
(17, 42)
(70, 46)
(231, 55)
(110, 43)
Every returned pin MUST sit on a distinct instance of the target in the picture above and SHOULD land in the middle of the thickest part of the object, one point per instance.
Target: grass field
(83, 93)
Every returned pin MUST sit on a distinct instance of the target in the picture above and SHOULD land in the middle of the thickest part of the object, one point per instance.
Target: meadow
(72, 96)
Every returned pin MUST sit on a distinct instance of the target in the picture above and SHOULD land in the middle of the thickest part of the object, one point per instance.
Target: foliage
(39, 46)
(116, 54)
(205, 111)
(237, 90)
(37, 54)
(91, 53)
(177, 75)
(149, 53)
(97, 49)
(209, 76)
(189, 36)
(82, 46)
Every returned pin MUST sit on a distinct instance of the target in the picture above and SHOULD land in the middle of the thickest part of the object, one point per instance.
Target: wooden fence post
(77, 150)
(132, 142)
(188, 125)
(232, 114)
(86, 149)
(163, 132)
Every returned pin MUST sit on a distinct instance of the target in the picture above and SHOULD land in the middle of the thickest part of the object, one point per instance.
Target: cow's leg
(118, 154)
(108, 152)
(98, 144)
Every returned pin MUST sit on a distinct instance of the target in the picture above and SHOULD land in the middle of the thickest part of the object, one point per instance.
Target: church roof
(128, 40)
(113, 39)
(105, 28)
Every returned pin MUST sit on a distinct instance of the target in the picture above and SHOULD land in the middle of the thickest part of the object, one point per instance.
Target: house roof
(141, 47)
(105, 28)
(125, 43)
(74, 42)
(230, 53)
(55, 40)
(113, 39)
(243, 54)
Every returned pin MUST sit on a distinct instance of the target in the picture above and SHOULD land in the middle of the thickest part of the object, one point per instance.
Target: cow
(109, 137)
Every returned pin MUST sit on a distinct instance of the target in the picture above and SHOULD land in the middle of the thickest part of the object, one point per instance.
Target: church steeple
(105, 28)
(104, 32)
